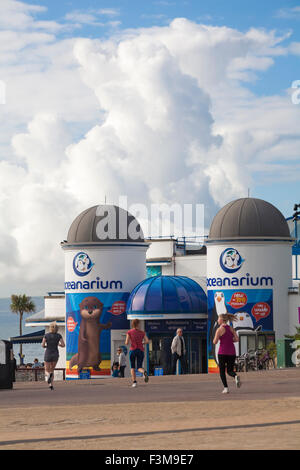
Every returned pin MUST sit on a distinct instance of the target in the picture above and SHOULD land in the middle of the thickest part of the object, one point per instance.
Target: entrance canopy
(30, 338)
(167, 297)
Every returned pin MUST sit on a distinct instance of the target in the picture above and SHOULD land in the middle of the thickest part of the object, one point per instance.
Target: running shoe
(134, 384)
(225, 390)
(146, 377)
(237, 381)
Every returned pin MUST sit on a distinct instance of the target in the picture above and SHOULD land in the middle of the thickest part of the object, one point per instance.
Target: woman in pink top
(136, 338)
(226, 355)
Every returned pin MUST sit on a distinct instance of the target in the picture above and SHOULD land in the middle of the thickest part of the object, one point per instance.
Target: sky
(161, 101)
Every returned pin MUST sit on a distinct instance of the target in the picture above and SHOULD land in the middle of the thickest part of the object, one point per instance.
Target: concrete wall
(55, 307)
(160, 249)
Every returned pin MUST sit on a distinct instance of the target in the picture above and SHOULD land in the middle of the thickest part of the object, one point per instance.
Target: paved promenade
(185, 412)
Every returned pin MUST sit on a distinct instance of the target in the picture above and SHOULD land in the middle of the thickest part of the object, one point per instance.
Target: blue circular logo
(82, 264)
(230, 260)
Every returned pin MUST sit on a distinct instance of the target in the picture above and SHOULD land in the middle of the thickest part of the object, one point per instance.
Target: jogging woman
(50, 342)
(136, 337)
(226, 355)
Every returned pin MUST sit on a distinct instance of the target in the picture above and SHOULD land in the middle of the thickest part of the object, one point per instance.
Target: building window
(153, 271)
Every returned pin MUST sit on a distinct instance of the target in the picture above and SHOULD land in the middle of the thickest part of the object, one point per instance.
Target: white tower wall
(109, 273)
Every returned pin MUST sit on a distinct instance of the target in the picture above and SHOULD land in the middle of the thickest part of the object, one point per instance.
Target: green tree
(21, 304)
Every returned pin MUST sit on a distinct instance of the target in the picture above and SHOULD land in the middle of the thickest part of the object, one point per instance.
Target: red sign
(238, 300)
(71, 324)
(118, 307)
(260, 310)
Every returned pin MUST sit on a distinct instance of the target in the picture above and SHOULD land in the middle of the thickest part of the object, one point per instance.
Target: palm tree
(21, 304)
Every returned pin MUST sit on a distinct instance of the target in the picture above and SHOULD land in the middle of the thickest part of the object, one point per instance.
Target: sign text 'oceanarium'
(235, 281)
(95, 284)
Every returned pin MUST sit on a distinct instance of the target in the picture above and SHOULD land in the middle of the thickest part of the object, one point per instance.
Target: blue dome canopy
(160, 295)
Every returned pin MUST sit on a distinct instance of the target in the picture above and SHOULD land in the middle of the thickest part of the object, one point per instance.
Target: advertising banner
(90, 317)
(98, 282)
(253, 309)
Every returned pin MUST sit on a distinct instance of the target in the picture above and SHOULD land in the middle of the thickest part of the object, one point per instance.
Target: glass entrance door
(196, 354)
(160, 353)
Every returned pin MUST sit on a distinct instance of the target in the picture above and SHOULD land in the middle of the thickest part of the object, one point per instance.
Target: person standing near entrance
(50, 342)
(136, 338)
(178, 352)
(122, 362)
(226, 355)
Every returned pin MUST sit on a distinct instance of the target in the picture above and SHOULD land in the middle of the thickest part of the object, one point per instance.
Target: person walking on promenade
(226, 354)
(50, 342)
(178, 352)
(122, 362)
(136, 337)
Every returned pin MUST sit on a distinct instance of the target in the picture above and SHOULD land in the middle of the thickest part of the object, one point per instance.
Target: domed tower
(105, 258)
(249, 271)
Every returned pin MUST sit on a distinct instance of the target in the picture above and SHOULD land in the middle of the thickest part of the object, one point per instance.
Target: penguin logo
(220, 306)
(82, 264)
(230, 260)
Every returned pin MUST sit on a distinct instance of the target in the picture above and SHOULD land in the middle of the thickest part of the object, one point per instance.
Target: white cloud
(92, 17)
(159, 114)
(81, 17)
(19, 16)
(288, 13)
(109, 11)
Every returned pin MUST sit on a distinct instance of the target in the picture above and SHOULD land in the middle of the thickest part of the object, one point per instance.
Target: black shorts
(136, 357)
(50, 357)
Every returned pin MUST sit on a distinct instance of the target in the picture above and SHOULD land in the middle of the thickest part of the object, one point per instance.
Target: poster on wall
(253, 310)
(90, 317)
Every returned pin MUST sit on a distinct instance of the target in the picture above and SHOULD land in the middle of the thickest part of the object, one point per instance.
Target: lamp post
(296, 217)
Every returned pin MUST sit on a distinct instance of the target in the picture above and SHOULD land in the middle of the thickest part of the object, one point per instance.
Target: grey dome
(249, 217)
(117, 225)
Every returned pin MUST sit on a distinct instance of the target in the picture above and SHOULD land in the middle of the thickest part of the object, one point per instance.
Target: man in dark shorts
(136, 338)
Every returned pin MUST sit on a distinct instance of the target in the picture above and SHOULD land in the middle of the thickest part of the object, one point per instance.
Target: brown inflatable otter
(89, 335)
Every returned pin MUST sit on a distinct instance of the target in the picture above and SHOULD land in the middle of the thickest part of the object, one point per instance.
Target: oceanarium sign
(82, 266)
(230, 262)
(243, 281)
(96, 284)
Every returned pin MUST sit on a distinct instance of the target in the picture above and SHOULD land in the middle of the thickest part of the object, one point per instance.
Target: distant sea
(9, 327)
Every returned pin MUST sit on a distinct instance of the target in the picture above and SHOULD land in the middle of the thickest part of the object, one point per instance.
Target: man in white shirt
(178, 352)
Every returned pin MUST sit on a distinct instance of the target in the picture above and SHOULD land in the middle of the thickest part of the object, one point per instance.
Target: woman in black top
(51, 341)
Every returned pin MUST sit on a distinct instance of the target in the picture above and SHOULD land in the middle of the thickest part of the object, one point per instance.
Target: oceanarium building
(248, 265)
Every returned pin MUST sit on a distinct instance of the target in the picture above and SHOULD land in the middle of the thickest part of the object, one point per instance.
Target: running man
(136, 338)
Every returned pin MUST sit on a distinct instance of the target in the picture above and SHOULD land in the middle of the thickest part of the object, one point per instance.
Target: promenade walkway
(185, 412)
